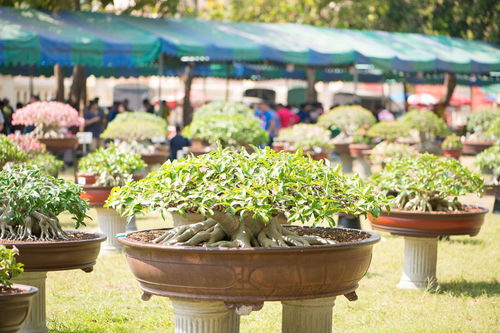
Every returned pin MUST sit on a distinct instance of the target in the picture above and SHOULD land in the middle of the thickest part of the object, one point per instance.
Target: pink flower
(52, 114)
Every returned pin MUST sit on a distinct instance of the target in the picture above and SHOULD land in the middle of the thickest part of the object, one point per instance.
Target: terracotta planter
(83, 178)
(358, 149)
(97, 195)
(429, 224)
(154, 158)
(249, 275)
(60, 144)
(342, 148)
(475, 147)
(14, 308)
(278, 146)
(319, 156)
(452, 153)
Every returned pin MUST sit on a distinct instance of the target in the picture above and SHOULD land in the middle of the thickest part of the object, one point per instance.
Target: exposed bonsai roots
(37, 226)
(224, 230)
(407, 201)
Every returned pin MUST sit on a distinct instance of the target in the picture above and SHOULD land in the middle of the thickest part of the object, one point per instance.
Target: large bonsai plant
(428, 125)
(427, 183)
(479, 125)
(49, 118)
(389, 130)
(113, 166)
(489, 162)
(452, 142)
(9, 268)
(224, 107)
(347, 119)
(10, 152)
(31, 201)
(307, 137)
(243, 195)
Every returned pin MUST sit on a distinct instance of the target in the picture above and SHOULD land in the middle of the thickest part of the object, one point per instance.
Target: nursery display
(98, 173)
(347, 119)
(31, 203)
(387, 150)
(15, 299)
(312, 139)
(51, 121)
(236, 256)
(425, 205)
(134, 132)
(489, 162)
(481, 131)
(429, 126)
(10, 152)
(389, 131)
(452, 146)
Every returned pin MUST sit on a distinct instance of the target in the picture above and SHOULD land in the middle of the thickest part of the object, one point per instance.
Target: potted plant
(489, 162)
(425, 205)
(385, 151)
(428, 126)
(30, 205)
(390, 131)
(10, 152)
(312, 139)
(237, 255)
(51, 121)
(98, 173)
(361, 142)
(452, 146)
(15, 299)
(134, 132)
(346, 119)
(479, 135)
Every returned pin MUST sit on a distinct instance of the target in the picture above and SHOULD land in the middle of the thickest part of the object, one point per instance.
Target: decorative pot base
(36, 320)
(420, 259)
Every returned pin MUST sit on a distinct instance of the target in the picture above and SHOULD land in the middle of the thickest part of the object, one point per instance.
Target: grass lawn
(108, 299)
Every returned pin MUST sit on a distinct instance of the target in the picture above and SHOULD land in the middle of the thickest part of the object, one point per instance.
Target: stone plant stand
(420, 261)
(111, 224)
(36, 320)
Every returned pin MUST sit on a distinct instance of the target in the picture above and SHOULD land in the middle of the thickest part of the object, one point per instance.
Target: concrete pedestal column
(346, 161)
(204, 317)
(306, 316)
(131, 225)
(36, 321)
(420, 259)
(110, 224)
(365, 168)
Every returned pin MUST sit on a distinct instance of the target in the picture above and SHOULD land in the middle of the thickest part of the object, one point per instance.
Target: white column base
(132, 225)
(36, 320)
(346, 161)
(193, 316)
(365, 168)
(420, 259)
(110, 224)
(307, 316)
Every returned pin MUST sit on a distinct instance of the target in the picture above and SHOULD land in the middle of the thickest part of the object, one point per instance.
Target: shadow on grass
(470, 289)
(466, 241)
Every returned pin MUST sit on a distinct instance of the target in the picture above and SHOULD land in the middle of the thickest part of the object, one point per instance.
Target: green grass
(108, 299)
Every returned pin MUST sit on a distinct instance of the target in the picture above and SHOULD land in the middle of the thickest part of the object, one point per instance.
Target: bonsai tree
(224, 108)
(427, 124)
(389, 130)
(10, 152)
(31, 201)
(347, 119)
(230, 130)
(493, 130)
(387, 150)
(243, 195)
(114, 167)
(479, 124)
(135, 130)
(489, 161)
(49, 118)
(307, 137)
(361, 136)
(452, 142)
(9, 268)
(47, 163)
(427, 183)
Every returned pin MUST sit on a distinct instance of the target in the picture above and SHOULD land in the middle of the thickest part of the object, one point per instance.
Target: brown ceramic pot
(97, 195)
(83, 178)
(358, 149)
(60, 255)
(475, 147)
(60, 144)
(154, 158)
(14, 308)
(429, 224)
(319, 156)
(249, 275)
(342, 148)
(452, 153)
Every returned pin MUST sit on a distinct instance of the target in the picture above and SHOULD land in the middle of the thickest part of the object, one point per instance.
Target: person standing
(177, 142)
(148, 107)
(94, 122)
(113, 111)
(269, 120)
(287, 117)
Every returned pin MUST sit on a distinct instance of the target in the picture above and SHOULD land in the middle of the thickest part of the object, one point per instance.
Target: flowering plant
(28, 144)
(48, 118)
(361, 136)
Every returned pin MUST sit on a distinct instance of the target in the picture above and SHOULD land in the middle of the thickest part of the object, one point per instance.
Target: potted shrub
(361, 142)
(428, 126)
(425, 205)
(134, 132)
(489, 162)
(15, 299)
(347, 119)
(479, 135)
(312, 139)
(10, 152)
(98, 173)
(452, 146)
(31, 203)
(237, 255)
(51, 121)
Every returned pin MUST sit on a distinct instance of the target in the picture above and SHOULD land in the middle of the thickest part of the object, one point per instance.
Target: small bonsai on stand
(312, 139)
(452, 146)
(428, 126)
(481, 128)
(489, 163)
(361, 143)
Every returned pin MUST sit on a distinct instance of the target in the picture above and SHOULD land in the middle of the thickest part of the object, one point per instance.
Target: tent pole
(31, 86)
(160, 74)
(228, 68)
(355, 80)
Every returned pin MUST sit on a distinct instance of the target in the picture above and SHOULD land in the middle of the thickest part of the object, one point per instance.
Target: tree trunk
(187, 109)
(450, 82)
(311, 95)
(405, 95)
(75, 92)
(59, 74)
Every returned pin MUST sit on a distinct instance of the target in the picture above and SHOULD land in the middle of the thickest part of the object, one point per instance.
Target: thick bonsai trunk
(225, 230)
(425, 203)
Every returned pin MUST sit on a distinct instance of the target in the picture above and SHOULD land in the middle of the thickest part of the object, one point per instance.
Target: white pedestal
(420, 259)
(346, 161)
(132, 225)
(204, 317)
(36, 321)
(307, 316)
(110, 224)
(365, 168)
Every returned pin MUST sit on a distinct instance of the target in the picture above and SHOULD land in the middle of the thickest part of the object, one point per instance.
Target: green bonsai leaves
(347, 119)
(262, 185)
(9, 268)
(427, 183)
(481, 123)
(10, 152)
(489, 161)
(136, 126)
(308, 137)
(452, 142)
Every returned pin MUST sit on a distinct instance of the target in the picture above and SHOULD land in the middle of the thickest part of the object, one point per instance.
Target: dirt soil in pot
(466, 209)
